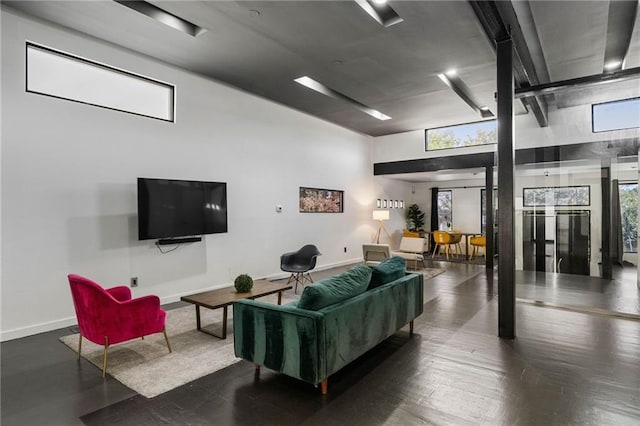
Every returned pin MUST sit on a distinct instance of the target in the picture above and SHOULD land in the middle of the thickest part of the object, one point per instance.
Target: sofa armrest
(281, 338)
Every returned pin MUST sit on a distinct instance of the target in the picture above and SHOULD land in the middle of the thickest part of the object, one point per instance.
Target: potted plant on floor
(415, 218)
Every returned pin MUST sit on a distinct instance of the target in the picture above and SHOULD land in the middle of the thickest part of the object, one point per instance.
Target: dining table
(467, 236)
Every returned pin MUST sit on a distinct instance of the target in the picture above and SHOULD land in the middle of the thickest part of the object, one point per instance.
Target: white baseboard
(30, 330)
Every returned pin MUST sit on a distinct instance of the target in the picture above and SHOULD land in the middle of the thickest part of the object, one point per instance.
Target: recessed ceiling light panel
(613, 65)
(381, 11)
(456, 84)
(327, 91)
(162, 16)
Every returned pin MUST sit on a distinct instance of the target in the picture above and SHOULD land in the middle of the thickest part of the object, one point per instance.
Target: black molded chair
(299, 263)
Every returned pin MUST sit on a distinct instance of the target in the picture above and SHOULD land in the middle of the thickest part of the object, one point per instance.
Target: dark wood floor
(563, 368)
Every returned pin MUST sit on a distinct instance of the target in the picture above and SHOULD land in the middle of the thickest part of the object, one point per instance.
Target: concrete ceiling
(262, 46)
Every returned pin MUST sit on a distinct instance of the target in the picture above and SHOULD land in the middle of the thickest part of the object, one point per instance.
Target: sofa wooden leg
(257, 369)
(411, 328)
(324, 386)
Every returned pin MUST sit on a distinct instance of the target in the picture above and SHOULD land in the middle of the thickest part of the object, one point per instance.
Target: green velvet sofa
(311, 344)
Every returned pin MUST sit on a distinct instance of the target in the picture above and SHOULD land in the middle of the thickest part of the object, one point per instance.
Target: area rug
(147, 367)
(431, 272)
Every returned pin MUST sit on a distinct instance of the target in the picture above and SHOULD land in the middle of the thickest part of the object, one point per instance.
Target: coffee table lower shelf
(223, 297)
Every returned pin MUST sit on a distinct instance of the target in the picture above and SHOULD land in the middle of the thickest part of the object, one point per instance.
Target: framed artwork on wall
(316, 200)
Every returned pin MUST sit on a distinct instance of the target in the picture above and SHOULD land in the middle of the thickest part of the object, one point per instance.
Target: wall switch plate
(134, 281)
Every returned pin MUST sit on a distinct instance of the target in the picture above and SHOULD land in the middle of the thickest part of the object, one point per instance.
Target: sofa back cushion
(332, 290)
(388, 270)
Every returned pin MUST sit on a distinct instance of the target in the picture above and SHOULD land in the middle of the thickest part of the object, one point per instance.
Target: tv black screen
(178, 208)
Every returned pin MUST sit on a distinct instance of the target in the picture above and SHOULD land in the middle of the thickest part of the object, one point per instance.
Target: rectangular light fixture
(464, 92)
(381, 11)
(162, 16)
(327, 91)
(381, 215)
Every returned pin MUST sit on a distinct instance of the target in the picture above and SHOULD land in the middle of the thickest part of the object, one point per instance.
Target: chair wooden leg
(79, 347)
(324, 386)
(104, 356)
(166, 338)
(435, 250)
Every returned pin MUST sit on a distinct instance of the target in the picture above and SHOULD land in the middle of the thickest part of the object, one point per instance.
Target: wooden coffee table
(223, 297)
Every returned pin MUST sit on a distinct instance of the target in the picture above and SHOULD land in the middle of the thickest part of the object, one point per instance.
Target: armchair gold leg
(166, 338)
(104, 356)
(79, 347)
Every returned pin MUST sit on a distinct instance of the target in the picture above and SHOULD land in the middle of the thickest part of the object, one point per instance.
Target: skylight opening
(163, 16)
(381, 11)
(327, 91)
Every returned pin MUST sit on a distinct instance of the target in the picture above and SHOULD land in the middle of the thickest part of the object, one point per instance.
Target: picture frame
(319, 200)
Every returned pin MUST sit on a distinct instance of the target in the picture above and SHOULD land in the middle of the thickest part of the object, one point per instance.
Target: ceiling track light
(381, 11)
(327, 91)
(451, 79)
(162, 16)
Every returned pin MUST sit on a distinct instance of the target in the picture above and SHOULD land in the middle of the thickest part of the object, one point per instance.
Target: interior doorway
(557, 242)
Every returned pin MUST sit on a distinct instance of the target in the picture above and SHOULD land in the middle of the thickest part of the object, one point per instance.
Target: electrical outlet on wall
(134, 281)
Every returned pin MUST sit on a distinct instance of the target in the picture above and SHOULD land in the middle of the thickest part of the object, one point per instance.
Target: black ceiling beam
(495, 17)
(579, 151)
(451, 162)
(576, 83)
(620, 23)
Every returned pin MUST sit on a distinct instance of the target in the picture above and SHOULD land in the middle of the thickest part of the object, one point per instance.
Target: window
(557, 196)
(616, 115)
(60, 75)
(483, 207)
(480, 133)
(629, 214)
(445, 210)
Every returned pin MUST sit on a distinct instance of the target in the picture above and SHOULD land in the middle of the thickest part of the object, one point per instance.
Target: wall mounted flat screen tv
(178, 208)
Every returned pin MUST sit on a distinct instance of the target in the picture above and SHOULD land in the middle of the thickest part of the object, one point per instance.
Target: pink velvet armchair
(110, 316)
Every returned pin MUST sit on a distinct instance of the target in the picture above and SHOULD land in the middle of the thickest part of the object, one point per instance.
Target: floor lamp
(381, 216)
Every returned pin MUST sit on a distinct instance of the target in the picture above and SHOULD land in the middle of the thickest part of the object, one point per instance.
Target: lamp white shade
(381, 215)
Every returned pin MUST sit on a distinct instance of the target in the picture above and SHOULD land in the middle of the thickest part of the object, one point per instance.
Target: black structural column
(434, 216)
(506, 160)
(488, 228)
(607, 264)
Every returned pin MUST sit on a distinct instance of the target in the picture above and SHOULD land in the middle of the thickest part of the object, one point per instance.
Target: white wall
(411, 146)
(391, 189)
(566, 126)
(69, 172)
